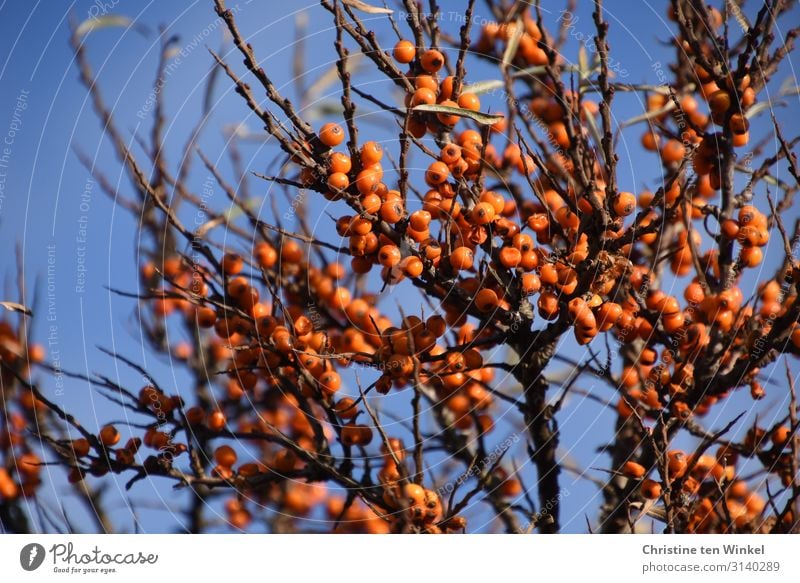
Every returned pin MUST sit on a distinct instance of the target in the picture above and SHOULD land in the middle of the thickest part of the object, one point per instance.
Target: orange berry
(624, 204)
(331, 134)
(531, 283)
(780, 435)
(346, 408)
(650, 141)
(266, 255)
(672, 152)
(195, 416)
(225, 456)
(351, 434)
(608, 314)
(367, 181)
(338, 181)
(548, 274)
(419, 220)
(330, 382)
(8, 487)
(729, 229)
(548, 305)
(232, 263)
(650, 489)
(486, 300)
(339, 162)
(576, 307)
(427, 82)
(462, 258)
(109, 435)
(437, 325)
(740, 140)
(437, 173)
(432, 60)
(446, 87)
(719, 102)
(80, 447)
(389, 255)
(404, 51)
(417, 127)
(751, 256)
(392, 211)
(677, 463)
(205, 317)
(748, 97)
(360, 226)
(371, 203)
(495, 199)
(509, 257)
(739, 124)
(482, 213)
(216, 420)
(633, 470)
(371, 153)
(469, 101)
(450, 154)
(423, 96)
(341, 298)
(412, 266)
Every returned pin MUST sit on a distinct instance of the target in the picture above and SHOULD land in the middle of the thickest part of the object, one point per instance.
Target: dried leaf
(107, 21)
(788, 87)
(233, 212)
(513, 44)
(758, 108)
(650, 509)
(480, 87)
(15, 307)
(584, 70)
(738, 15)
(481, 118)
(648, 115)
(364, 7)
(595, 131)
(330, 76)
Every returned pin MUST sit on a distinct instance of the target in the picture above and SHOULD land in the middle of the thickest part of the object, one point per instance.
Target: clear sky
(58, 215)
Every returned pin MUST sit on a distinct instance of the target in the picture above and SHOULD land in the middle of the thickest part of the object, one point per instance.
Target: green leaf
(481, 118)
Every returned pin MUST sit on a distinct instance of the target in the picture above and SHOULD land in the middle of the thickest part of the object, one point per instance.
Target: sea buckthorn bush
(395, 362)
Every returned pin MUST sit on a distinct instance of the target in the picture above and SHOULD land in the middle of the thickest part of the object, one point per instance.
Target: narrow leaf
(758, 108)
(595, 131)
(738, 15)
(480, 87)
(583, 63)
(364, 7)
(15, 307)
(513, 44)
(481, 118)
(107, 21)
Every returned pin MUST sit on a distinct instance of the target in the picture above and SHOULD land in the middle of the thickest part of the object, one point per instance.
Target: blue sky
(57, 214)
